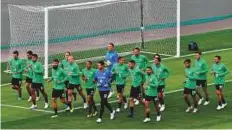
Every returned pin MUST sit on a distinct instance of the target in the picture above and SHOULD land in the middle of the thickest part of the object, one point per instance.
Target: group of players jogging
(147, 82)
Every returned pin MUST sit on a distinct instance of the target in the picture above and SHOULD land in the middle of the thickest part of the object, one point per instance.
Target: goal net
(85, 29)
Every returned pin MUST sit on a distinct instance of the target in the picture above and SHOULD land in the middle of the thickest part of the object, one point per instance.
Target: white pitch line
(26, 108)
(6, 84)
(47, 111)
(206, 52)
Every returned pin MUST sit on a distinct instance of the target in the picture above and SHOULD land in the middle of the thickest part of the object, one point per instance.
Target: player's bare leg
(70, 91)
(19, 91)
(186, 98)
(54, 106)
(80, 92)
(219, 98)
(224, 104)
(37, 95)
(161, 101)
(195, 104)
(132, 104)
(28, 90)
(45, 97)
(120, 98)
(33, 96)
(157, 109)
(89, 101)
(206, 92)
(147, 111)
(74, 95)
(198, 89)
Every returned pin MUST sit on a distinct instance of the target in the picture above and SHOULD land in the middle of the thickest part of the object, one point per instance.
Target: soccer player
(201, 78)
(150, 88)
(29, 75)
(37, 81)
(190, 86)
(74, 82)
(16, 67)
(219, 70)
(103, 79)
(137, 76)
(111, 59)
(162, 73)
(141, 62)
(59, 77)
(121, 71)
(64, 64)
(88, 75)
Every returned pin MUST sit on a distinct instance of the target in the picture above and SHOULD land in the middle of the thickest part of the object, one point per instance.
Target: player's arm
(39, 69)
(212, 71)
(126, 72)
(192, 76)
(26, 67)
(110, 75)
(115, 58)
(166, 71)
(142, 73)
(21, 67)
(226, 71)
(95, 77)
(83, 77)
(50, 79)
(65, 76)
(154, 83)
(113, 71)
(9, 67)
(204, 68)
(146, 61)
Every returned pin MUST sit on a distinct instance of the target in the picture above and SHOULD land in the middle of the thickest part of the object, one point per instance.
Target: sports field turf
(173, 117)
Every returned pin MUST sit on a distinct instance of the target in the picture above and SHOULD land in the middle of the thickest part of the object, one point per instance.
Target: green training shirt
(161, 73)
(220, 71)
(152, 84)
(137, 76)
(190, 81)
(59, 75)
(141, 61)
(37, 72)
(64, 64)
(17, 67)
(74, 77)
(89, 74)
(201, 69)
(28, 68)
(121, 72)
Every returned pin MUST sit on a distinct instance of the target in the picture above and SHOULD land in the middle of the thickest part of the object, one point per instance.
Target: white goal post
(46, 28)
(141, 19)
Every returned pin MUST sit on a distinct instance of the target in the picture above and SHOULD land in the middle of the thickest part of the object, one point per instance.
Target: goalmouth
(86, 28)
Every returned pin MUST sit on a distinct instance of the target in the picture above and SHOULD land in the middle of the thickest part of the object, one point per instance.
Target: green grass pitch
(173, 117)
